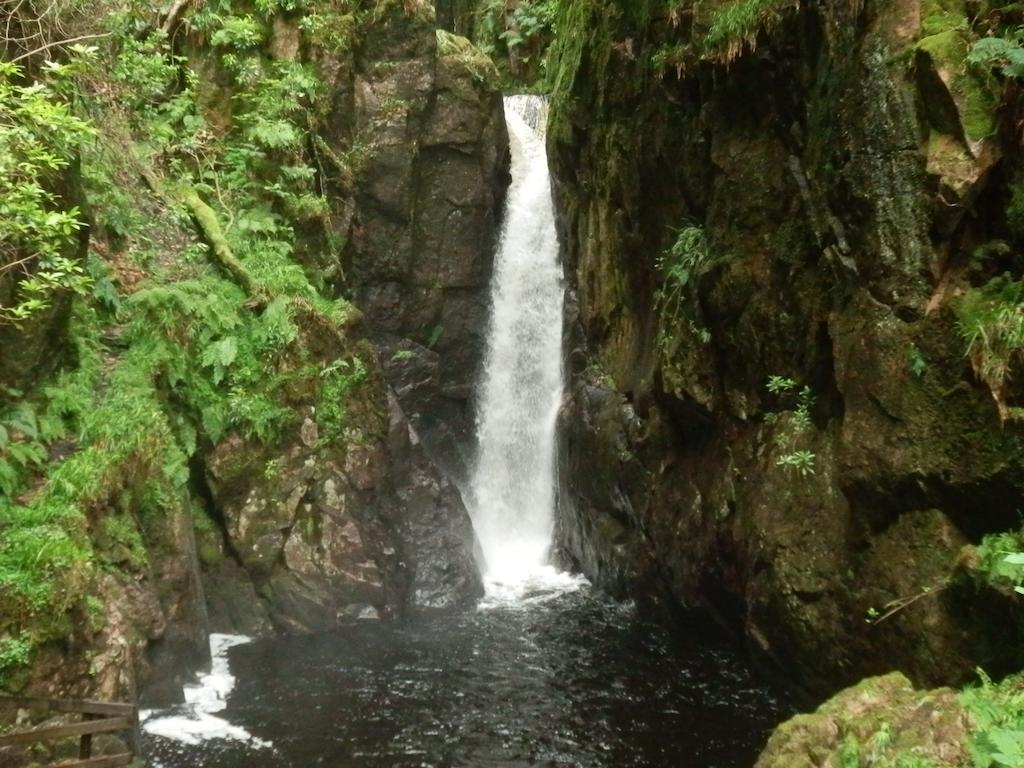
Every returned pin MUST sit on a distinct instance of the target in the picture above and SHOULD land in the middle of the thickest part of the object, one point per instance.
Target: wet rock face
(290, 523)
(834, 182)
(437, 545)
(146, 620)
(427, 209)
(332, 530)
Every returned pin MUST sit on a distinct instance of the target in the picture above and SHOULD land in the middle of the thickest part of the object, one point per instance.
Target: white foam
(197, 721)
(523, 590)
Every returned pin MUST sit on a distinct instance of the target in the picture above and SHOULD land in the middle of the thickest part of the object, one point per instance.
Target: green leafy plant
(15, 652)
(991, 322)
(801, 400)
(1003, 53)
(240, 33)
(39, 137)
(20, 447)
(916, 362)
(513, 35)
(681, 265)
(736, 25)
(850, 752)
(671, 57)
(997, 712)
(338, 380)
(802, 462)
(1001, 559)
(435, 336)
(529, 20)
(196, 350)
(677, 303)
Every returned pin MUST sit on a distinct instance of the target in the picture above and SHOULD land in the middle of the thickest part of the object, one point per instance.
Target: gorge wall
(791, 235)
(778, 219)
(254, 418)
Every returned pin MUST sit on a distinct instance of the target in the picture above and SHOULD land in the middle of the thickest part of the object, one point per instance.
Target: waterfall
(512, 491)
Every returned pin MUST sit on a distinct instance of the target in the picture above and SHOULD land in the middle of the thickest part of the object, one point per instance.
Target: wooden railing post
(97, 717)
(85, 744)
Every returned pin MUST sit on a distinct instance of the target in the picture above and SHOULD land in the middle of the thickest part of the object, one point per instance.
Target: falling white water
(512, 492)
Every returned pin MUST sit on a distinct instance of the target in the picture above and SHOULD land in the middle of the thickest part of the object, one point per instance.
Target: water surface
(555, 677)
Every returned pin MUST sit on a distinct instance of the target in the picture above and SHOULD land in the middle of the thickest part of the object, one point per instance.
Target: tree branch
(56, 43)
(174, 16)
(206, 219)
(209, 228)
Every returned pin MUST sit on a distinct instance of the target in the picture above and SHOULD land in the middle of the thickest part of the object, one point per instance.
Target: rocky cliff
(292, 217)
(777, 219)
(426, 220)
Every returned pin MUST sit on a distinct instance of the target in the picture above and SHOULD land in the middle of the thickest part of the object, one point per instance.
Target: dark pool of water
(570, 680)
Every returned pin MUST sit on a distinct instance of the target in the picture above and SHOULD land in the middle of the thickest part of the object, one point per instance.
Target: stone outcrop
(319, 531)
(427, 206)
(839, 178)
(363, 525)
(881, 721)
(323, 530)
(145, 621)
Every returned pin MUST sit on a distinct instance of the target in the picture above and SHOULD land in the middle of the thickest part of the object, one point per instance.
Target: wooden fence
(97, 717)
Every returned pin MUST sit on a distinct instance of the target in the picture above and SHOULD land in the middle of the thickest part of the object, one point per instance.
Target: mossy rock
(883, 718)
(958, 98)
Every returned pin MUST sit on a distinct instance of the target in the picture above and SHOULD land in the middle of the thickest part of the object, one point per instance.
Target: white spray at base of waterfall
(512, 491)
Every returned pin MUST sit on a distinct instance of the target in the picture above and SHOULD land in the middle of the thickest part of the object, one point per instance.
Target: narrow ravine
(546, 671)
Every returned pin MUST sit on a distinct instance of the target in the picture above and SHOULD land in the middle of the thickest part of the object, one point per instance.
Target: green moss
(972, 88)
(990, 320)
(939, 16)
(980, 103)
(227, 337)
(850, 752)
(15, 652)
(881, 721)
(478, 63)
(121, 544)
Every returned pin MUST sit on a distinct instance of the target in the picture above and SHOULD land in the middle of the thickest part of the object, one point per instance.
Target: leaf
(22, 418)
(219, 356)
(1015, 558)
(24, 454)
(1009, 746)
(275, 134)
(8, 478)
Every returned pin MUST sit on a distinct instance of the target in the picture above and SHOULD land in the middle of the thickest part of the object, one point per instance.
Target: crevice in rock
(200, 488)
(987, 505)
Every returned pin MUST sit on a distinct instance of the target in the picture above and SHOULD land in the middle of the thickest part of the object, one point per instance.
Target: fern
(997, 713)
(736, 26)
(991, 322)
(219, 356)
(1005, 53)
